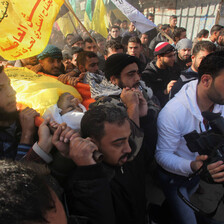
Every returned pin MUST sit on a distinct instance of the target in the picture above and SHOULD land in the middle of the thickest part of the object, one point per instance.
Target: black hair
(115, 27)
(215, 28)
(140, 35)
(203, 33)
(113, 45)
(135, 40)
(212, 64)
(173, 17)
(203, 46)
(150, 14)
(164, 27)
(177, 32)
(24, 194)
(81, 58)
(92, 123)
(89, 40)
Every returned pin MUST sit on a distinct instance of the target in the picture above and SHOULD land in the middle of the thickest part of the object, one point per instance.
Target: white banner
(140, 21)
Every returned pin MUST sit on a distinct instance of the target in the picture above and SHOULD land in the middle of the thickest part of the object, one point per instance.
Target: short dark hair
(115, 27)
(134, 40)
(89, 40)
(81, 58)
(203, 33)
(164, 27)
(177, 32)
(28, 198)
(173, 17)
(140, 35)
(215, 28)
(203, 46)
(113, 45)
(150, 14)
(92, 123)
(212, 64)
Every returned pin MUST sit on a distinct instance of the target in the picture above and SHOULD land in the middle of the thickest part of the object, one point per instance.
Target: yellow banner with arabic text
(26, 26)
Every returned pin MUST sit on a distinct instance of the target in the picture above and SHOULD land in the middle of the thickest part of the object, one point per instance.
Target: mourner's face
(90, 47)
(168, 59)
(7, 94)
(115, 32)
(114, 144)
(216, 90)
(184, 54)
(51, 66)
(134, 49)
(196, 60)
(92, 65)
(129, 77)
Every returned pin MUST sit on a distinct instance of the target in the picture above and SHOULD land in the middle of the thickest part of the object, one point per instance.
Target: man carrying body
(17, 129)
(112, 191)
(176, 161)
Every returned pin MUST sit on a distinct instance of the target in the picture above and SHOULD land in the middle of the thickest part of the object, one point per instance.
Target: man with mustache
(112, 191)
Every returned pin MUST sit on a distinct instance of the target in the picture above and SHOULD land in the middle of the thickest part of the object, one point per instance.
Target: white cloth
(72, 118)
(180, 116)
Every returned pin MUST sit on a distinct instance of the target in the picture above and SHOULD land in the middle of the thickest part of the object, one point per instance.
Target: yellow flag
(99, 19)
(67, 23)
(26, 26)
(37, 91)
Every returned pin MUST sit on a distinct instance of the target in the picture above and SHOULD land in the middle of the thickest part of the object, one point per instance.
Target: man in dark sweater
(183, 56)
(159, 74)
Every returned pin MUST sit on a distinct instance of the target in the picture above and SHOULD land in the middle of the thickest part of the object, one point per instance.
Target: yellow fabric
(37, 91)
(26, 26)
(99, 20)
(67, 23)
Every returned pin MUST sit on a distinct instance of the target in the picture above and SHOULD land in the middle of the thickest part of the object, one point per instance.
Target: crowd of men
(148, 93)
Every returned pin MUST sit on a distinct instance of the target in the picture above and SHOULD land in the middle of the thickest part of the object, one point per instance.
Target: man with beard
(112, 191)
(200, 50)
(183, 56)
(160, 74)
(181, 116)
(17, 129)
(122, 71)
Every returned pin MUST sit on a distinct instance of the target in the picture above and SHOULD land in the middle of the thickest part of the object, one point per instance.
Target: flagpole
(73, 13)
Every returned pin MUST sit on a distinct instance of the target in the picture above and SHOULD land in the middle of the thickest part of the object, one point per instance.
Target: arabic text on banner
(26, 26)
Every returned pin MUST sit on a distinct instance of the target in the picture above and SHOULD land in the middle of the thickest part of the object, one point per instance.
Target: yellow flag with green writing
(99, 20)
(26, 26)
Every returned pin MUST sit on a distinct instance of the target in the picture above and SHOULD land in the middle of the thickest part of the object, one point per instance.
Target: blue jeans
(181, 213)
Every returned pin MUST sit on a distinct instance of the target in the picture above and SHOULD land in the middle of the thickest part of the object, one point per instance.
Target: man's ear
(113, 79)
(206, 80)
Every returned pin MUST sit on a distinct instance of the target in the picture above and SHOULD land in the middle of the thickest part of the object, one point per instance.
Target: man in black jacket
(160, 74)
(112, 191)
